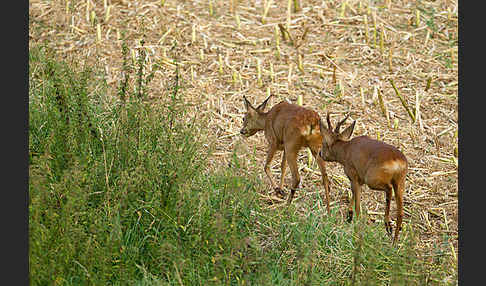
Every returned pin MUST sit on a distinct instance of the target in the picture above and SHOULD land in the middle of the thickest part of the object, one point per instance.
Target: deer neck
(340, 149)
(262, 118)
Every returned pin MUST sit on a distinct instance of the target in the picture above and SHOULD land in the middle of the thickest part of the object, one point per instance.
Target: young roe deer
(367, 161)
(288, 127)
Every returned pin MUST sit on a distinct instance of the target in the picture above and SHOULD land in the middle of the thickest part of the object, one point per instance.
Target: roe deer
(288, 127)
(367, 161)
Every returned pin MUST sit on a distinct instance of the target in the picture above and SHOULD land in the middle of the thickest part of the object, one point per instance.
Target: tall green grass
(120, 193)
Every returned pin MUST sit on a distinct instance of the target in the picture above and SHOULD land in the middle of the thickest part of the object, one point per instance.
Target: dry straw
(198, 31)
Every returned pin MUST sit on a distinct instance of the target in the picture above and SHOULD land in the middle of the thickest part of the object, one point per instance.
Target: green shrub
(120, 193)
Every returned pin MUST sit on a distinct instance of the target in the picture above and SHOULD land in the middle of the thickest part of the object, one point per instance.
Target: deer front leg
(325, 180)
(270, 154)
(292, 161)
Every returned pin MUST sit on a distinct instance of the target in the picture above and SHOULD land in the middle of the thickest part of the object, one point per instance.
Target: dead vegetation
(391, 64)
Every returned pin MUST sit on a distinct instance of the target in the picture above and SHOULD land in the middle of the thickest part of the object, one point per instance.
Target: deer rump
(376, 162)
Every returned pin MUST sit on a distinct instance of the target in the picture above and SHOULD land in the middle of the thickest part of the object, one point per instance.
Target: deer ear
(262, 106)
(326, 135)
(346, 134)
(321, 126)
(248, 105)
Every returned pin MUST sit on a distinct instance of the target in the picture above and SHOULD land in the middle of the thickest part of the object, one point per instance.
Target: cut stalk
(239, 79)
(259, 72)
(285, 33)
(427, 36)
(220, 61)
(134, 59)
(98, 33)
(300, 100)
(402, 100)
(334, 74)
(107, 13)
(417, 109)
(343, 9)
(238, 23)
(201, 54)
(417, 18)
(193, 34)
(382, 40)
(383, 107)
(361, 92)
(289, 13)
(92, 17)
(272, 74)
(87, 11)
(234, 77)
(341, 88)
(390, 59)
(265, 10)
(289, 77)
(277, 38)
(374, 30)
(429, 81)
(300, 64)
(366, 29)
(296, 6)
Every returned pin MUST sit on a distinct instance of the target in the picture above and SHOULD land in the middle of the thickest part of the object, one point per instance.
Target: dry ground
(221, 45)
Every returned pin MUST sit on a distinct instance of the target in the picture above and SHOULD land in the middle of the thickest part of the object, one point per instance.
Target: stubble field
(338, 56)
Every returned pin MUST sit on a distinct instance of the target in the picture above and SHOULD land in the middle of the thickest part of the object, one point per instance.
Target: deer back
(374, 160)
(288, 122)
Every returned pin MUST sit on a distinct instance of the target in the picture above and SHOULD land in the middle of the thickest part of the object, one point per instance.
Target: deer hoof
(350, 216)
(388, 227)
(279, 192)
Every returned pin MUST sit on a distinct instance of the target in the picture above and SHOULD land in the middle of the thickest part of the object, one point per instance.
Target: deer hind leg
(291, 154)
(399, 188)
(283, 168)
(325, 180)
(270, 154)
(388, 197)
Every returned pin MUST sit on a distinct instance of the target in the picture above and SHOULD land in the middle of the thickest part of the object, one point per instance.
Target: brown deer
(288, 127)
(367, 161)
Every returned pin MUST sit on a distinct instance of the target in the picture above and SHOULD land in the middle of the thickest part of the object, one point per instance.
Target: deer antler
(328, 122)
(261, 107)
(338, 126)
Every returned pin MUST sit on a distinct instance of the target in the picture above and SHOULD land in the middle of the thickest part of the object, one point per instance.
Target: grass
(120, 193)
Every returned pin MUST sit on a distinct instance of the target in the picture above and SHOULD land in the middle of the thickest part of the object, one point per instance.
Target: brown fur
(376, 164)
(288, 127)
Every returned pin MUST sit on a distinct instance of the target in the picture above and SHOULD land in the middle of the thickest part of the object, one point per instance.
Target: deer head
(254, 119)
(330, 138)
